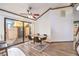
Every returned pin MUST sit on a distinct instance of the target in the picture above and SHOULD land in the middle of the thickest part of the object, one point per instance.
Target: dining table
(39, 36)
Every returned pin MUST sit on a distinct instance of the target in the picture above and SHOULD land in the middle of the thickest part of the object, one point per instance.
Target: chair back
(38, 34)
(36, 39)
(29, 37)
(44, 37)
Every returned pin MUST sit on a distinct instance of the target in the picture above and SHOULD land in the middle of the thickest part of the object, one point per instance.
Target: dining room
(38, 29)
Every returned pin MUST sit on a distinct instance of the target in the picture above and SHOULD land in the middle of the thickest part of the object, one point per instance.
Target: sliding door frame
(5, 19)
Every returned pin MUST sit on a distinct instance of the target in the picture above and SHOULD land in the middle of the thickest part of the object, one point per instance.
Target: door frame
(23, 29)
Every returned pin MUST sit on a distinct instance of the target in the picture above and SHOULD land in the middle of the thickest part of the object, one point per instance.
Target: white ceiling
(36, 7)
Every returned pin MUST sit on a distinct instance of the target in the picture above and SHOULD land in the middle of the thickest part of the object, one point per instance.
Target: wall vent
(63, 13)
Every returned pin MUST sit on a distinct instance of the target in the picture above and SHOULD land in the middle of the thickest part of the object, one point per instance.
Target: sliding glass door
(16, 31)
(26, 31)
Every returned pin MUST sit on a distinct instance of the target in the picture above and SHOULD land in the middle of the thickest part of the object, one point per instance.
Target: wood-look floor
(53, 49)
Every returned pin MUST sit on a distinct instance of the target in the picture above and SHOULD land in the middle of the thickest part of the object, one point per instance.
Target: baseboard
(60, 42)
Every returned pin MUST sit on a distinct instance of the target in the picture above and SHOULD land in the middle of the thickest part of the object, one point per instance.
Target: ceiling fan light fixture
(30, 16)
(77, 8)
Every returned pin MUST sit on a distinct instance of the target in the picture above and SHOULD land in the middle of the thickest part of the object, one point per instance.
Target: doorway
(16, 31)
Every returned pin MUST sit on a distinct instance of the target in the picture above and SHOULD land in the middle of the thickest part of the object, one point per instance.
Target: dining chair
(40, 46)
(38, 34)
(29, 37)
(45, 37)
(37, 40)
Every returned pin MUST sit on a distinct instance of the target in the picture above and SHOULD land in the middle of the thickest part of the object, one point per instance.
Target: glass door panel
(26, 31)
(14, 32)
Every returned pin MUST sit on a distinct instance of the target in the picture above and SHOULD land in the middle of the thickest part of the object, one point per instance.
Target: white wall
(43, 25)
(62, 26)
(57, 28)
(33, 27)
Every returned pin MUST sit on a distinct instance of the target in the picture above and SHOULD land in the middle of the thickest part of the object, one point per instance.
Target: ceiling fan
(29, 14)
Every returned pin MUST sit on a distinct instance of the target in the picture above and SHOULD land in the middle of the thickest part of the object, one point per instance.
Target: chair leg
(34, 41)
(6, 52)
(41, 44)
